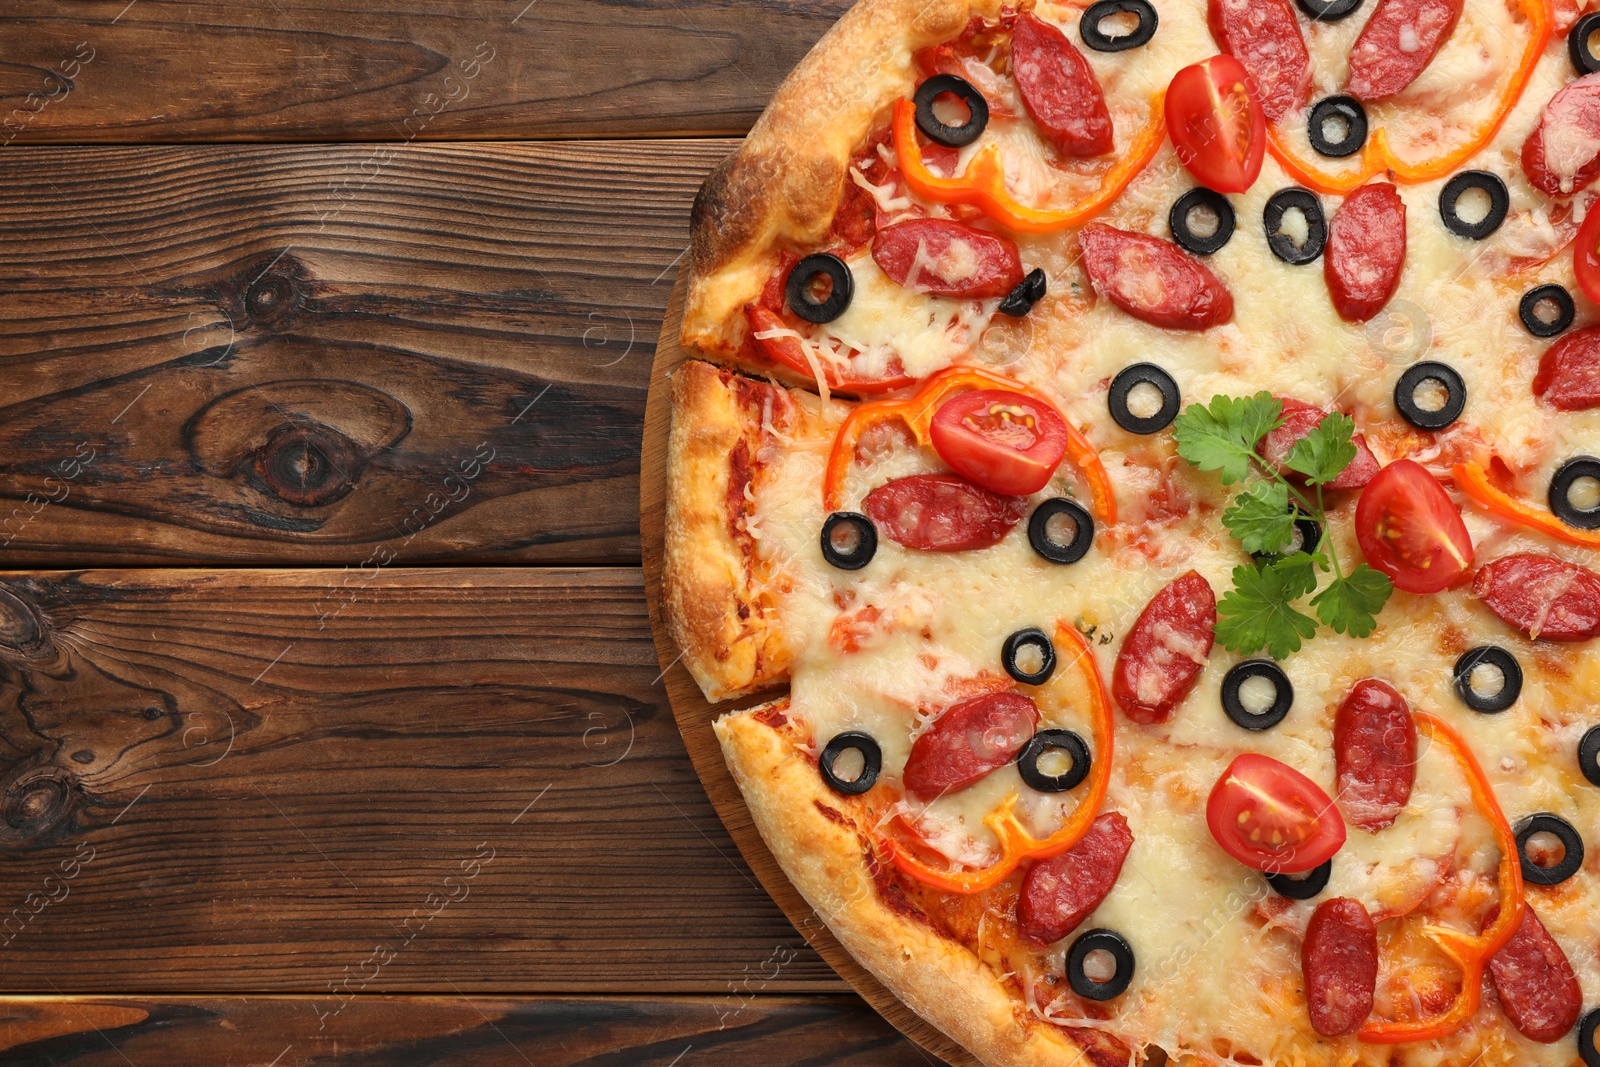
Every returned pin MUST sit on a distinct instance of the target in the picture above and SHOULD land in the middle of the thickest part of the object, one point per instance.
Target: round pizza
(1139, 460)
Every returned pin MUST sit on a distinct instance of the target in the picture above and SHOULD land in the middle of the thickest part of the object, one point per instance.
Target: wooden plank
(371, 1031)
(331, 354)
(396, 70)
(337, 782)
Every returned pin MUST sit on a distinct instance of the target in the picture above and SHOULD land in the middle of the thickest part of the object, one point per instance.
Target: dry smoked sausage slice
(1366, 250)
(1562, 154)
(1542, 596)
(1534, 981)
(1569, 371)
(1299, 419)
(1166, 649)
(1059, 89)
(945, 258)
(1264, 35)
(969, 741)
(942, 513)
(1154, 280)
(1397, 44)
(1375, 753)
(1059, 893)
(1339, 959)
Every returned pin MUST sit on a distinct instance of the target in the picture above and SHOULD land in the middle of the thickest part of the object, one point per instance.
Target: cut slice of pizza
(1185, 646)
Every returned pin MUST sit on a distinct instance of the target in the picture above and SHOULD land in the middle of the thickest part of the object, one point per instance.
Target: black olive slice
(1089, 25)
(1584, 61)
(1589, 755)
(871, 765)
(1054, 740)
(1455, 188)
(1316, 225)
(1032, 637)
(1282, 694)
(1561, 504)
(1308, 533)
(1101, 940)
(798, 289)
(1510, 678)
(1302, 887)
(1046, 545)
(1195, 200)
(1588, 1052)
(951, 136)
(1028, 292)
(1328, 10)
(849, 540)
(1405, 395)
(1335, 109)
(1142, 374)
(1554, 294)
(1546, 823)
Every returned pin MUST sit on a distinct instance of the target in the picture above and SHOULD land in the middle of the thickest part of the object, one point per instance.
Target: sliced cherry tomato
(1006, 442)
(1217, 124)
(1271, 817)
(1586, 256)
(1410, 529)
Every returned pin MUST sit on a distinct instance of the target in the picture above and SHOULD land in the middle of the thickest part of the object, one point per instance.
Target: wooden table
(331, 729)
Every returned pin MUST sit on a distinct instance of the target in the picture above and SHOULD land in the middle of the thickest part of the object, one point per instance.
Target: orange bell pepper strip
(1471, 952)
(1376, 157)
(1016, 843)
(917, 413)
(1474, 481)
(984, 183)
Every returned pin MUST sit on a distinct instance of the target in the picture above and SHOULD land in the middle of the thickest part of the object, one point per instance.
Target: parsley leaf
(1260, 518)
(1259, 609)
(1351, 604)
(1223, 436)
(1324, 453)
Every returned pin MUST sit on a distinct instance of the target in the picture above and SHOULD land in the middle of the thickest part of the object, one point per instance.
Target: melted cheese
(1188, 909)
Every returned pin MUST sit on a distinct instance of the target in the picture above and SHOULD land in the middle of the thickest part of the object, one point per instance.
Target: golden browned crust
(716, 608)
(785, 181)
(938, 978)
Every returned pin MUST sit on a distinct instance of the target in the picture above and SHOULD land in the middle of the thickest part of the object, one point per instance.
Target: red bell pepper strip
(984, 182)
(917, 413)
(1471, 952)
(1474, 481)
(1016, 843)
(1376, 157)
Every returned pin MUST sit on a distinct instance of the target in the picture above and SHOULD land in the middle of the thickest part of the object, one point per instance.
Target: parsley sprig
(1259, 611)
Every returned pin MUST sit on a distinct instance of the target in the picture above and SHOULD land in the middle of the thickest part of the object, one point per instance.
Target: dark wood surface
(312, 353)
(338, 783)
(405, 804)
(728, 1031)
(394, 70)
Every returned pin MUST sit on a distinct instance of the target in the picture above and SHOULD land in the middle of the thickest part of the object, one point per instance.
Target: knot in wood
(309, 465)
(36, 803)
(23, 631)
(272, 291)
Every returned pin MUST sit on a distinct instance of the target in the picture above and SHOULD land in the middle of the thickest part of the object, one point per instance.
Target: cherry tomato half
(1409, 529)
(1006, 442)
(1271, 817)
(1217, 124)
(1586, 256)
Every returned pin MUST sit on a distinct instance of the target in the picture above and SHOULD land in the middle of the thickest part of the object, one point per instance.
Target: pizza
(1134, 480)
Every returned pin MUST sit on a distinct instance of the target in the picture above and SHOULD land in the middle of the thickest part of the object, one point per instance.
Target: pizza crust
(784, 182)
(938, 978)
(715, 610)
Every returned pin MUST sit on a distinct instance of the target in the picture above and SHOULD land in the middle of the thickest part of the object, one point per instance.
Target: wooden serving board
(694, 714)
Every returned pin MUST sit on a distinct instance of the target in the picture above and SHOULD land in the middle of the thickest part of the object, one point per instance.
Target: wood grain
(394, 70)
(694, 715)
(463, 1032)
(338, 782)
(331, 354)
